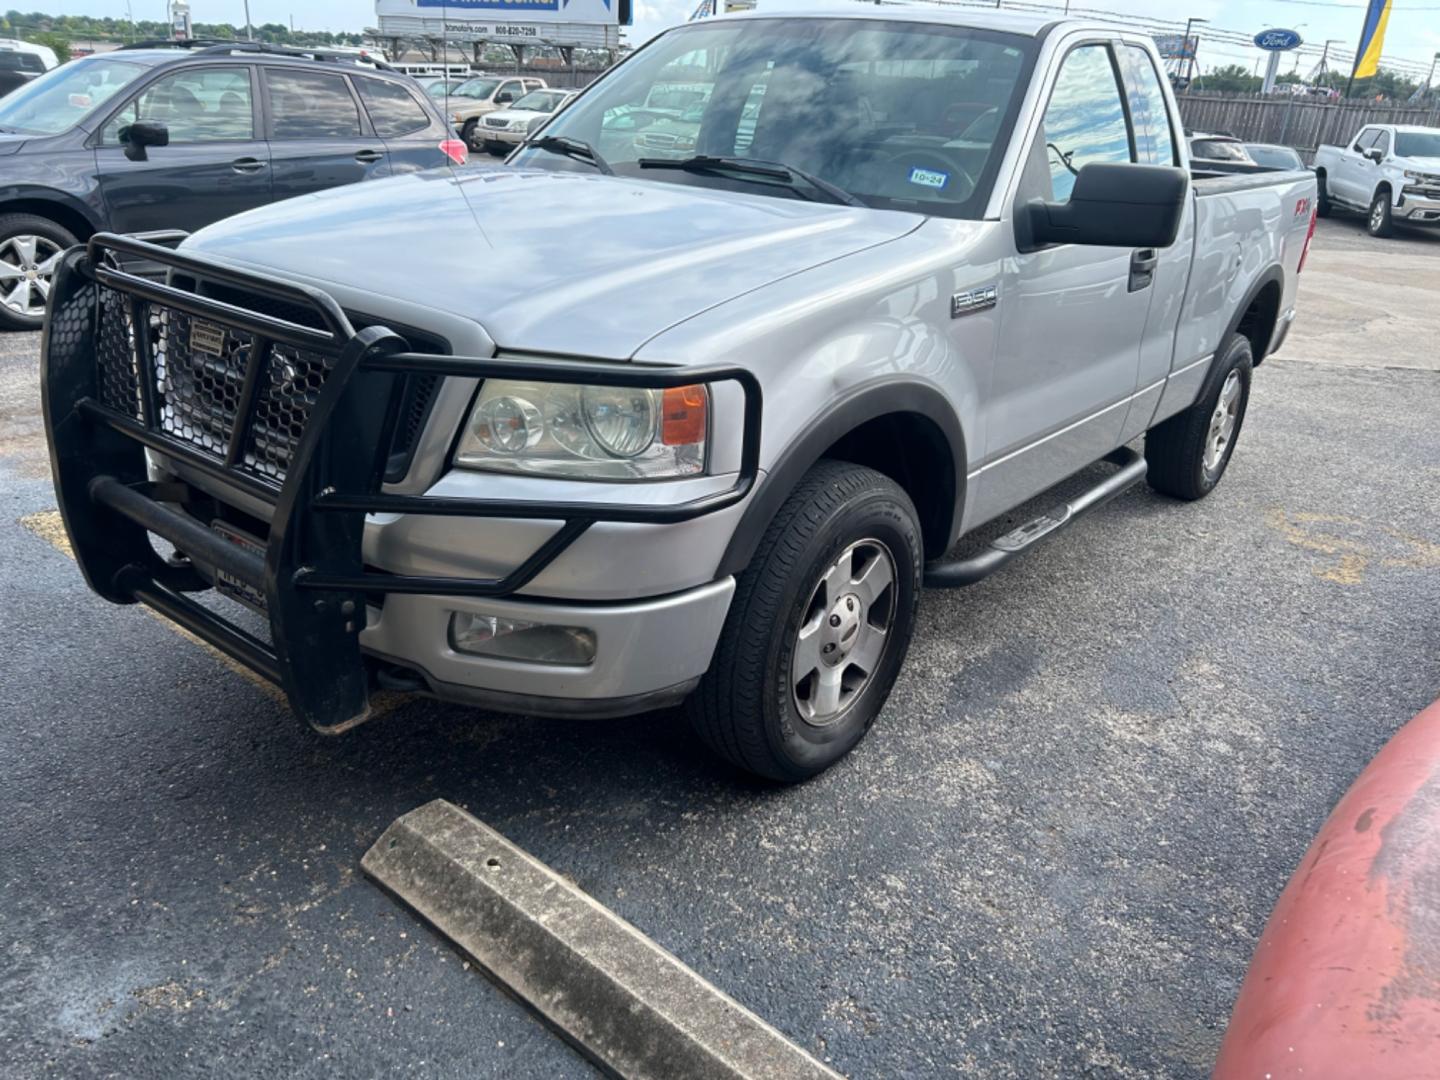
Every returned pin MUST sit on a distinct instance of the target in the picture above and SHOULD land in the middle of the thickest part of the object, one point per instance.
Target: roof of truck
(1028, 25)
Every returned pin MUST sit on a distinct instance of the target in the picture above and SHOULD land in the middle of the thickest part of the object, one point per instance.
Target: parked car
(43, 53)
(1274, 157)
(686, 429)
(17, 68)
(439, 87)
(504, 129)
(672, 137)
(1388, 172)
(476, 97)
(1227, 148)
(177, 137)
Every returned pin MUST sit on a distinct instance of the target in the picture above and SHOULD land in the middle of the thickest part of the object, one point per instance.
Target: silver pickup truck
(623, 431)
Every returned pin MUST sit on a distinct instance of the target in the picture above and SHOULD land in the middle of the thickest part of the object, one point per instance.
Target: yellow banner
(1372, 39)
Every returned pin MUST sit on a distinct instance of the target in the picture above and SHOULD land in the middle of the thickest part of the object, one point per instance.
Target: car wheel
(1322, 197)
(1187, 454)
(1380, 222)
(30, 250)
(468, 134)
(818, 628)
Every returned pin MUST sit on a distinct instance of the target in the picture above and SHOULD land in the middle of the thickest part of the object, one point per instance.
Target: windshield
(476, 88)
(55, 101)
(904, 116)
(540, 101)
(1417, 144)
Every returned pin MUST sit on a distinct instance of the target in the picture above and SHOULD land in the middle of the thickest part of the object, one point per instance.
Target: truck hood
(1420, 164)
(569, 263)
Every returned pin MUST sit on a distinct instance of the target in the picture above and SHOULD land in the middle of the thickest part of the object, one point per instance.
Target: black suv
(178, 135)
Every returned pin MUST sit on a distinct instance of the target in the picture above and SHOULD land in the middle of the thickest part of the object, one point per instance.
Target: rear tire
(1380, 223)
(1188, 453)
(803, 665)
(1322, 197)
(30, 248)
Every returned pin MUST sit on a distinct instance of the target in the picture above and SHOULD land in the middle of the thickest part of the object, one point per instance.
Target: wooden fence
(1295, 121)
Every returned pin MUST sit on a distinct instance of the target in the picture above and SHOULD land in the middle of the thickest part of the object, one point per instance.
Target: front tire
(30, 250)
(1322, 197)
(1380, 223)
(818, 628)
(467, 133)
(1188, 453)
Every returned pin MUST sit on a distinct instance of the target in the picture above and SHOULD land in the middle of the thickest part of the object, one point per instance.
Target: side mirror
(143, 133)
(1375, 154)
(1111, 205)
(504, 98)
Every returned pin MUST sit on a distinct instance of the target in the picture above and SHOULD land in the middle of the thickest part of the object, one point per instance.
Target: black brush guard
(312, 575)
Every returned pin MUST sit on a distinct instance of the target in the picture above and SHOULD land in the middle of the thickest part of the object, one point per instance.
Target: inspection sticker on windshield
(930, 178)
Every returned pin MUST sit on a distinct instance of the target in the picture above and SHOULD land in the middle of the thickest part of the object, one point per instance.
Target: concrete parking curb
(613, 992)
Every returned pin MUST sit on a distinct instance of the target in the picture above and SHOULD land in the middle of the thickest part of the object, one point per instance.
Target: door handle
(247, 165)
(368, 157)
(1142, 268)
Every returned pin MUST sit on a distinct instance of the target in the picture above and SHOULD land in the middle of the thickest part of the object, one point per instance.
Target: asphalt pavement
(1052, 856)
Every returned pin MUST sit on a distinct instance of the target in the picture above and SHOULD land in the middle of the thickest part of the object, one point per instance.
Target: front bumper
(1417, 210)
(503, 136)
(648, 654)
(300, 419)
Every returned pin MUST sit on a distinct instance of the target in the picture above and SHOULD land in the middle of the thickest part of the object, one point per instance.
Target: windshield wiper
(771, 170)
(578, 149)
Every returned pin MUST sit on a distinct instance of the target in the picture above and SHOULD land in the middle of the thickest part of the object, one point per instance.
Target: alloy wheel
(845, 632)
(27, 266)
(1222, 423)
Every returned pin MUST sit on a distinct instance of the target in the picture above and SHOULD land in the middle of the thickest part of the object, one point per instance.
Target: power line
(1210, 37)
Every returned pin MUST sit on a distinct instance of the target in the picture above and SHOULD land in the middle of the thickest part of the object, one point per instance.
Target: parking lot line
(609, 989)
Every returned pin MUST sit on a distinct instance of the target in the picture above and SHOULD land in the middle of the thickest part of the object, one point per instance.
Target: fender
(863, 404)
(1274, 274)
(1342, 984)
(10, 193)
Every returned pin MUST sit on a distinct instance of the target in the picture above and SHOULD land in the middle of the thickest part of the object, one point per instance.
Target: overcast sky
(1414, 33)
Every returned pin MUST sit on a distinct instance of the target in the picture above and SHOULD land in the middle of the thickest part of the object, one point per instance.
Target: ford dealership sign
(1278, 40)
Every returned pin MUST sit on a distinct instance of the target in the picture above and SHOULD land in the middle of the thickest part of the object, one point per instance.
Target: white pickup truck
(1390, 173)
(635, 431)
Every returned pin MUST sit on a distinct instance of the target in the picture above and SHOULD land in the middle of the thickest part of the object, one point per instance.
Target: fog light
(517, 639)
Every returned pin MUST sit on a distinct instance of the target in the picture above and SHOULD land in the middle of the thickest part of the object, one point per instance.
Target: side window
(510, 92)
(197, 105)
(310, 105)
(1366, 138)
(1154, 136)
(393, 112)
(1084, 122)
(1382, 143)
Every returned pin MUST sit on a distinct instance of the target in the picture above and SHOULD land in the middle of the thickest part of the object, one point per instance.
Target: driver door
(1072, 317)
(214, 166)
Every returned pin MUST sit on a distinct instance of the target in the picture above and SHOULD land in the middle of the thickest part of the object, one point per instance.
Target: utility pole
(1431, 77)
(1185, 47)
(249, 34)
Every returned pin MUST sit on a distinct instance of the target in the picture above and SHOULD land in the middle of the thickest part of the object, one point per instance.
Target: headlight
(1423, 178)
(586, 432)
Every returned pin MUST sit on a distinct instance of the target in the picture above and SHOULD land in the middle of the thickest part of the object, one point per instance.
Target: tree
(57, 43)
(1231, 79)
